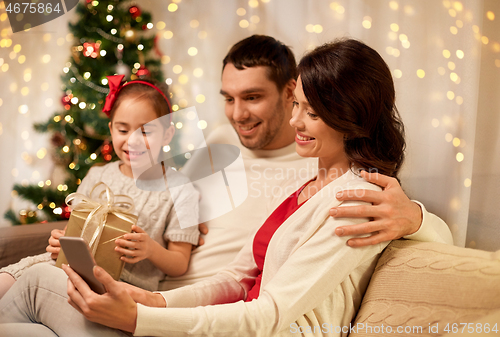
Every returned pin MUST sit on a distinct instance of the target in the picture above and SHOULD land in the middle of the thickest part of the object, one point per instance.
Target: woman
(344, 114)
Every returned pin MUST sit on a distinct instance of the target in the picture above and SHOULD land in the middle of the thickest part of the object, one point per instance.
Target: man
(258, 80)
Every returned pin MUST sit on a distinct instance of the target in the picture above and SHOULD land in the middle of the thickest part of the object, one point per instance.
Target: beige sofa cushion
(428, 285)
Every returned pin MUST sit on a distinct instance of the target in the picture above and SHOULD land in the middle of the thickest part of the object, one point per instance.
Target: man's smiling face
(255, 107)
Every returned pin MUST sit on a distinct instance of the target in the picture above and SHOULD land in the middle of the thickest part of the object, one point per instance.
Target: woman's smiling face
(313, 137)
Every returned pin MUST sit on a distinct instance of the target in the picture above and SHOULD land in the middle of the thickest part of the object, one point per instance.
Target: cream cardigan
(312, 281)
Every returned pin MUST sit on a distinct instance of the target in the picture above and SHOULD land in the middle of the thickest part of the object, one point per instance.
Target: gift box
(100, 219)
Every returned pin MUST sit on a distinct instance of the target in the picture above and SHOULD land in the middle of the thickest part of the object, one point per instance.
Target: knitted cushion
(428, 285)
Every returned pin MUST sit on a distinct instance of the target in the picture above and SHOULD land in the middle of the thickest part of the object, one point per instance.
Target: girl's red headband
(115, 85)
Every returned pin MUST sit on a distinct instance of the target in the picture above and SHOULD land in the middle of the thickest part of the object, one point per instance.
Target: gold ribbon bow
(100, 202)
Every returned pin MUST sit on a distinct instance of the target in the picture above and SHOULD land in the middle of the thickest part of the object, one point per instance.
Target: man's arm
(432, 229)
(393, 215)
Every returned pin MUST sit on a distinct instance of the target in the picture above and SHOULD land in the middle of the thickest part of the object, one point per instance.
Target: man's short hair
(263, 50)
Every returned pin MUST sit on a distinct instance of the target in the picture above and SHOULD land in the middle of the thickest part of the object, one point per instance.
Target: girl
(158, 245)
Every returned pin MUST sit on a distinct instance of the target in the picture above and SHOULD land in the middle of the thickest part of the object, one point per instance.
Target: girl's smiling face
(137, 134)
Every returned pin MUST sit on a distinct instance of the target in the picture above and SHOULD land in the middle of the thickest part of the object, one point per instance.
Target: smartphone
(80, 259)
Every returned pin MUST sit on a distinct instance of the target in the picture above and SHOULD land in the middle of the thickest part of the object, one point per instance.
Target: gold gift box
(105, 254)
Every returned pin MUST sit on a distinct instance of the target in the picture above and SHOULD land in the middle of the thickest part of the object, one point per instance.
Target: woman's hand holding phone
(80, 259)
(116, 308)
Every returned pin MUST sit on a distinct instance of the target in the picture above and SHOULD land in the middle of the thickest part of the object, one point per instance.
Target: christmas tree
(111, 37)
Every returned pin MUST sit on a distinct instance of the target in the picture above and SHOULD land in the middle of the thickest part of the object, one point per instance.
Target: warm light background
(444, 55)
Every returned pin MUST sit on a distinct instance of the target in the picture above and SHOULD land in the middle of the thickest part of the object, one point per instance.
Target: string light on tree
(91, 49)
(143, 72)
(107, 151)
(130, 34)
(135, 12)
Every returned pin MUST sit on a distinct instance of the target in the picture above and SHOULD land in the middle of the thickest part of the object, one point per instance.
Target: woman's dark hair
(350, 87)
(145, 92)
(263, 50)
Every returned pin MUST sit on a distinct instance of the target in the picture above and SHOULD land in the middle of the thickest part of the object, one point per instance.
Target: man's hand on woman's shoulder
(392, 214)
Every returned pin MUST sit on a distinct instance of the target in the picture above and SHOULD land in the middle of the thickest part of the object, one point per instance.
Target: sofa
(417, 288)
(431, 289)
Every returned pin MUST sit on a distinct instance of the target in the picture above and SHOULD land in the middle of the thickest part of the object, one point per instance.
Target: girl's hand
(54, 246)
(135, 246)
(203, 230)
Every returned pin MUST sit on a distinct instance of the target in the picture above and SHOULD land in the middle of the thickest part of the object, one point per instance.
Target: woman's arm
(323, 265)
(305, 280)
(226, 287)
(230, 285)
